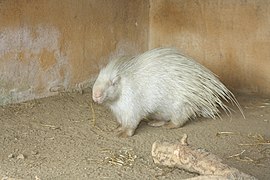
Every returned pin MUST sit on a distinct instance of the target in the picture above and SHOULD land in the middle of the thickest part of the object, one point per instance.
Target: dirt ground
(55, 138)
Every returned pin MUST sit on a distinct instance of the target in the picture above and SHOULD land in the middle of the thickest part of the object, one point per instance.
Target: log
(195, 160)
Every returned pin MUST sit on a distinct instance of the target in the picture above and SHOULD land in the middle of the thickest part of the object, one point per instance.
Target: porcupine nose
(97, 96)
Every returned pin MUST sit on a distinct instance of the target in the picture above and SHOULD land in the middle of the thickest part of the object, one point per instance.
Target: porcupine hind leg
(171, 122)
(156, 123)
(157, 120)
(173, 125)
(178, 120)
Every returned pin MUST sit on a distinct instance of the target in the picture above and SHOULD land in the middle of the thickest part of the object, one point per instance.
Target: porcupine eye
(115, 80)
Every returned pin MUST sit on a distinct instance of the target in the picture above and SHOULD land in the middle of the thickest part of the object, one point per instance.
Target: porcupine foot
(125, 132)
(171, 125)
(175, 123)
(156, 123)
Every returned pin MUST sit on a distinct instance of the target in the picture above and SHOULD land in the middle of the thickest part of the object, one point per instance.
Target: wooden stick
(183, 156)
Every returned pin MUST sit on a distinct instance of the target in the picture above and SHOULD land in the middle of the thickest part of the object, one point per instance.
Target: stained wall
(50, 45)
(230, 37)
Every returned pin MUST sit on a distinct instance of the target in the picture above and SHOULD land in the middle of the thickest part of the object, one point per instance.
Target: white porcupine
(161, 84)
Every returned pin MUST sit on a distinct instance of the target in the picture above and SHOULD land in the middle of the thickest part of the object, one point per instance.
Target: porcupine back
(166, 82)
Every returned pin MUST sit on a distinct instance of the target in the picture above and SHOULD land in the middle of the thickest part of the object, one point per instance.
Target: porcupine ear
(115, 80)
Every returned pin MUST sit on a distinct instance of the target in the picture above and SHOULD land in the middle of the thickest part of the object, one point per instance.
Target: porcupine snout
(97, 96)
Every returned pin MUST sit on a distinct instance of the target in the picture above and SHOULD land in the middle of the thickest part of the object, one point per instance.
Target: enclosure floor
(55, 138)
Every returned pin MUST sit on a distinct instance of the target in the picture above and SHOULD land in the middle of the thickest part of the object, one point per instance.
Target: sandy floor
(55, 138)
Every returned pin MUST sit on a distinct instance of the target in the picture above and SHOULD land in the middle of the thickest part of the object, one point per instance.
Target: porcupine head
(106, 88)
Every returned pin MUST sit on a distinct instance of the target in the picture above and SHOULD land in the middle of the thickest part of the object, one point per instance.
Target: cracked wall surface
(48, 46)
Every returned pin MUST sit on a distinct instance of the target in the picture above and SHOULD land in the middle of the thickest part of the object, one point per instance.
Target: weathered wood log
(183, 156)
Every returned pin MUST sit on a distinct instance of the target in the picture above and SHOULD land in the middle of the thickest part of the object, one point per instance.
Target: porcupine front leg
(119, 124)
(128, 125)
(124, 131)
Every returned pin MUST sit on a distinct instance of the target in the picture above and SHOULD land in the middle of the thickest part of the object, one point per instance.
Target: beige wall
(52, 44)
(61, 44)
(230, 37)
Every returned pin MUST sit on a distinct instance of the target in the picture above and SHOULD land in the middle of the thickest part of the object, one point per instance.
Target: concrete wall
(230, 37)
(49, 45)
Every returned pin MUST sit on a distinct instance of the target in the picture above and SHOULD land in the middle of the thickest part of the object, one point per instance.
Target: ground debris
(122, 157)
(21, 156)
(34, 152)
(50, 126)
(11, 156)
(9, 178)
(257, 139)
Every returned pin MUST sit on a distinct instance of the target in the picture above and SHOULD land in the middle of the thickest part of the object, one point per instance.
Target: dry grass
(122, 157)
(258, 140)
(255, 141)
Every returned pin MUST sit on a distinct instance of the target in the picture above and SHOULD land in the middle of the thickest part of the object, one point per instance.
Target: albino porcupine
(161, 84)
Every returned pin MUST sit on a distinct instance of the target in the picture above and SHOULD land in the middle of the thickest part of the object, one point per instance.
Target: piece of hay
(224, 133)
(238, 154)
(240, 157)
(93, 114)
(183, 156)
